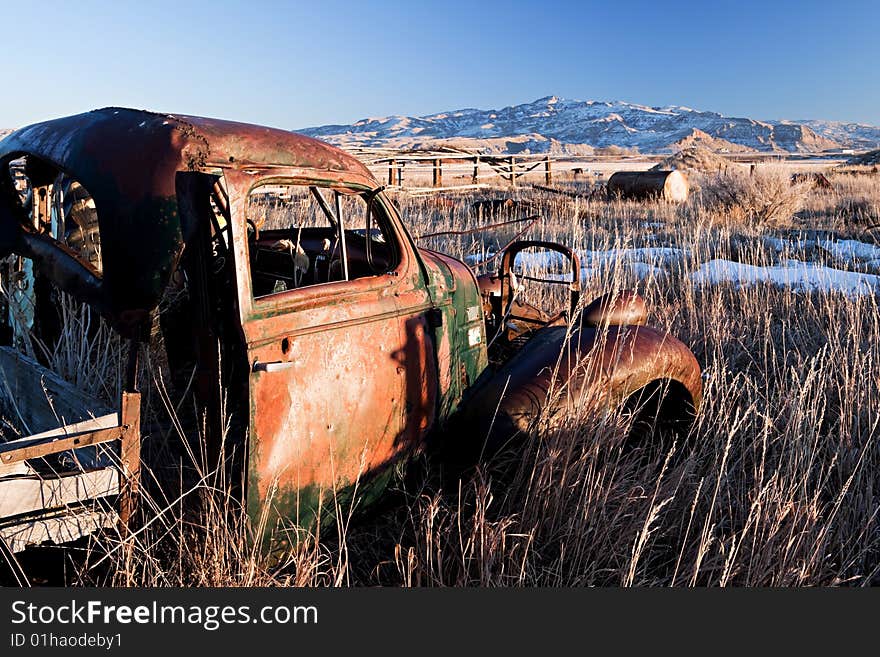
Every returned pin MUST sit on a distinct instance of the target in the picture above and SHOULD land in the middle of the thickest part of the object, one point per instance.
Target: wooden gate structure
(478, 170)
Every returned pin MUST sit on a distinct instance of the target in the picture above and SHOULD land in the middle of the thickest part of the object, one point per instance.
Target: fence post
(512, 171)
(391, 164)
(438, 173)
(548, 174)
(476, 175)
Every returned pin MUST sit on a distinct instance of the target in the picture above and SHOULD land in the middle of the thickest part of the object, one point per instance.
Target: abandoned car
(321, 344)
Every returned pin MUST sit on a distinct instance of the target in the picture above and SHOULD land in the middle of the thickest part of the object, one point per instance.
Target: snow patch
(654, 262)
(794, 274)
(657, 255)
(851, 250)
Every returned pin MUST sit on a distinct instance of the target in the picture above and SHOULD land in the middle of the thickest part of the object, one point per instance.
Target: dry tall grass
(778, 482)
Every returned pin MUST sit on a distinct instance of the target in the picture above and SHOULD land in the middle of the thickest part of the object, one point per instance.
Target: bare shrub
(767, 197)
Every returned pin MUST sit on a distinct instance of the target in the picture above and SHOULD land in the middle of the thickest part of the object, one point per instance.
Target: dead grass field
(778, 482)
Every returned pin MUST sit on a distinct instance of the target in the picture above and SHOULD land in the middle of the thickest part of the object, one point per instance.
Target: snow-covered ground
(798, 275)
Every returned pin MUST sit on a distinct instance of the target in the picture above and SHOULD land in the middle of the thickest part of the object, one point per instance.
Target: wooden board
(61, 529)
(92, 424)
(68, 437)
(37, 399)
(55, 416)
(15, 469)
(31, 493)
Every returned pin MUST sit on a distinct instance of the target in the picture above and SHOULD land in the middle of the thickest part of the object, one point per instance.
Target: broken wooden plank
(28, 448)
(39, 400)
(19, 468)
(107, 421)
(20, 495)
(59, 529)
(130, 455)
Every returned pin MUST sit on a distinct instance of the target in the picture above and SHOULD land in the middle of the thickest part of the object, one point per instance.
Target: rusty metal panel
(559, 367)
(133, 185)
(626, 308)
(330, 417)
(343, 380)
(460, 342)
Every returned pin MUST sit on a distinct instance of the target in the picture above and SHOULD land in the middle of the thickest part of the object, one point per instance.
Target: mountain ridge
(554, 124)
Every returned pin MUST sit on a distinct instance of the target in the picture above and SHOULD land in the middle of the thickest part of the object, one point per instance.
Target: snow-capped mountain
(556, 124)
(859, 136)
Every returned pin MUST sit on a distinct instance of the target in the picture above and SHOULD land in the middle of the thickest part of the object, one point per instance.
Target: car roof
(131, 161)
(196, 141)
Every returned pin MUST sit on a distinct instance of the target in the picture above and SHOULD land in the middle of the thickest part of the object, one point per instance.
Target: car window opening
(57, 205)
(300, 236)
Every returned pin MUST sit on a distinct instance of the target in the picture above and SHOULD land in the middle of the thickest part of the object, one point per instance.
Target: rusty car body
(339, 349)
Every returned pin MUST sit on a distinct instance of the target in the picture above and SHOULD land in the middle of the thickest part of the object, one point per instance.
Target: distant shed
(668, 185)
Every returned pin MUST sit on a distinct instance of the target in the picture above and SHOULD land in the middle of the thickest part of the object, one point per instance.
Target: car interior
(297, 238)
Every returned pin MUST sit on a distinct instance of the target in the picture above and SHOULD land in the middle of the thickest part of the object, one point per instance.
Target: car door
(336, 369)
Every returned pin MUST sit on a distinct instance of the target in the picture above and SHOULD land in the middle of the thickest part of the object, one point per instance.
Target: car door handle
(272, 366)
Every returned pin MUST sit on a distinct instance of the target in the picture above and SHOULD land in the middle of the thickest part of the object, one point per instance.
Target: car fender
(562, 367)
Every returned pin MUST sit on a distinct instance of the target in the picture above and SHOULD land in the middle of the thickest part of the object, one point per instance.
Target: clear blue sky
(297, 64)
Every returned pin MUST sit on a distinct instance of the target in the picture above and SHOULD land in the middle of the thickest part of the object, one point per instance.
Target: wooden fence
(477, 170)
